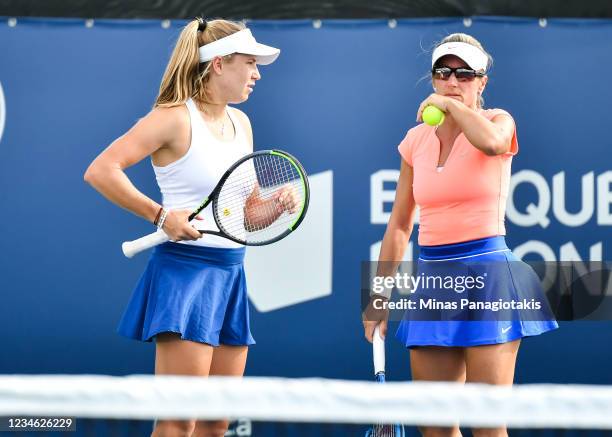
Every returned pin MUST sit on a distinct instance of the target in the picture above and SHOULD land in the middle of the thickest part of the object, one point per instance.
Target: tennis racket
(246, 205)
(378, 351)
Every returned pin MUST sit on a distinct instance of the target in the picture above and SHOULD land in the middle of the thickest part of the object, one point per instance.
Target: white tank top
(185, 182)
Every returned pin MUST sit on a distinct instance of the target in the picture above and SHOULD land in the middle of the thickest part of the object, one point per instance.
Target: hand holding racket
(178, 228)
(259, 200)
(375, 317)
(378, 352)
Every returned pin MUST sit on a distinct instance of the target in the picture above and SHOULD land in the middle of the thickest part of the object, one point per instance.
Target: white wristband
(162, 219)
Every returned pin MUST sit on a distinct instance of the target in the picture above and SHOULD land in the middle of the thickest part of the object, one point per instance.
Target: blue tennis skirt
(195, 291)
(509, 279)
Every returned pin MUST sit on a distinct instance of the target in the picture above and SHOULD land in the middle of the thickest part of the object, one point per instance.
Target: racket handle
(131, 248)
(378, 350)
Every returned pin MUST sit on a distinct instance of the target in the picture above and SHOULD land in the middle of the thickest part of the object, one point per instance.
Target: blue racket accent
(378, 349)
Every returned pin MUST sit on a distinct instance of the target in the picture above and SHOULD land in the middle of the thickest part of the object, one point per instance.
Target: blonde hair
(469, 39)
(185, 76)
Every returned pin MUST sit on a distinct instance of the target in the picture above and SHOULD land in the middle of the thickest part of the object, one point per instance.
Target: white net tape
(308, 400)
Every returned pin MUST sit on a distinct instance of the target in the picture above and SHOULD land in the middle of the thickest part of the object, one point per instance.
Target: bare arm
(400, 224)
(394, 244)
(156, 132)
(492, 137)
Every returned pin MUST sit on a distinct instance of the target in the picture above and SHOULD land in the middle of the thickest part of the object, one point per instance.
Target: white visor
(239, 42)
(473, 56)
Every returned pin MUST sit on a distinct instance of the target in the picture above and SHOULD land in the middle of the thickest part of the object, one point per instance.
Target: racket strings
(384, 431)
(248, 206)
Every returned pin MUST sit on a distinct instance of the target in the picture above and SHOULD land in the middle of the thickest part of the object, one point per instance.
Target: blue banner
(340, 97)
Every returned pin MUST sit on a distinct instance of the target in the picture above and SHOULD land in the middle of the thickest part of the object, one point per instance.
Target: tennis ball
(433, 116)
(226, 212)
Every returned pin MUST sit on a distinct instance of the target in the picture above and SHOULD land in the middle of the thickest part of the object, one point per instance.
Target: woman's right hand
(374, 316)
(177, 226)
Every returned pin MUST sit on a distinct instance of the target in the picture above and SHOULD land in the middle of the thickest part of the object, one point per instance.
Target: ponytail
(185, 77)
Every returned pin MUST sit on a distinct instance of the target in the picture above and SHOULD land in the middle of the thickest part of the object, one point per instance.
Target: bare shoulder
(170, 118)
(169, 125)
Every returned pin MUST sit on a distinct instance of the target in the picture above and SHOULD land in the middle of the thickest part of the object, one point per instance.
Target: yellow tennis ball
(226, 212)
(433, 116)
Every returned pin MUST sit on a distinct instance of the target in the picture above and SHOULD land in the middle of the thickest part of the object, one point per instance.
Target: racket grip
(131, 248)
(378, 350)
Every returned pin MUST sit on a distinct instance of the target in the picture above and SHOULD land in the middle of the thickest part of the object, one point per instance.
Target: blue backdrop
(341, 98)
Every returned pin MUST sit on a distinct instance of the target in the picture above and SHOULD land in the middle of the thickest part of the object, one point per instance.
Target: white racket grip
(131, 248)
(378, 350)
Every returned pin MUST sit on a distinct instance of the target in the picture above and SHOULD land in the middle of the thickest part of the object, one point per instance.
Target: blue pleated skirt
(506, 279)
(195, 291)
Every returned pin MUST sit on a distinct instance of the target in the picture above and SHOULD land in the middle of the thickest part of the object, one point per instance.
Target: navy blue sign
(340, 97)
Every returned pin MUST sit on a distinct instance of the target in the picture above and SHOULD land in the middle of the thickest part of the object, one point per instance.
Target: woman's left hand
(286, 199)
(441, 102)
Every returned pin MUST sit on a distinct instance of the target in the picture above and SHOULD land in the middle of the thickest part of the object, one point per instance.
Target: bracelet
(162, 219)
(161, 208)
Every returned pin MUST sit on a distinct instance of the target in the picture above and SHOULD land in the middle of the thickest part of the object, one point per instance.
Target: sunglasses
(462, 74)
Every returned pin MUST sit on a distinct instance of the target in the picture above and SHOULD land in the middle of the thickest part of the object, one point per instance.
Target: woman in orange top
(458, 174)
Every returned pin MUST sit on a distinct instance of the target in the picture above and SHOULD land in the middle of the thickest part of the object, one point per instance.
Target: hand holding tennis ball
(433, 116)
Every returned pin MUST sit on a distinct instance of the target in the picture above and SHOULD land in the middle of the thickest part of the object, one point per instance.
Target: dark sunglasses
(460, 73)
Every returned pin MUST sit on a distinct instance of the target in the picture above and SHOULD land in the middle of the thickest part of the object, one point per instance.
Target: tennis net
(127, 406)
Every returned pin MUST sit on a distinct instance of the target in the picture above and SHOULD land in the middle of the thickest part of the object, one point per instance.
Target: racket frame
(378, 355)
(214, 195)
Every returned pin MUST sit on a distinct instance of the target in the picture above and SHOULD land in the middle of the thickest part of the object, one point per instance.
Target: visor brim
(264, 54)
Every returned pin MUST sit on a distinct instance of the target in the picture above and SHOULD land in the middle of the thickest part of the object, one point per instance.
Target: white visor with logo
(471, 55)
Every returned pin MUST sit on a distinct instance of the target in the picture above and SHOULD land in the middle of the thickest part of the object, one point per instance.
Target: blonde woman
(459, 173)
(191, 298)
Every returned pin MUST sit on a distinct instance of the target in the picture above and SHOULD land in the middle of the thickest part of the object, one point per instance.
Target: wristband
(162, 219)
(161, 208)
(381, 287)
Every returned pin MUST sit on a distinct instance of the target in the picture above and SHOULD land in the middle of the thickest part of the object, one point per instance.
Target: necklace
(216, 122)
